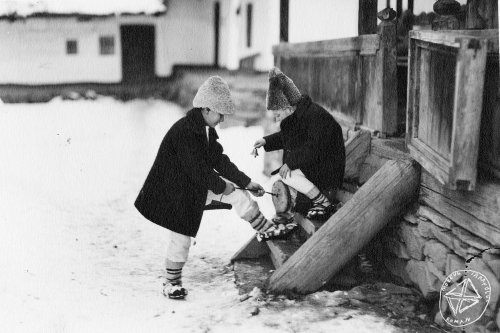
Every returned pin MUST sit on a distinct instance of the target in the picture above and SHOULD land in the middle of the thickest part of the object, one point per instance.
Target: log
(323, 255)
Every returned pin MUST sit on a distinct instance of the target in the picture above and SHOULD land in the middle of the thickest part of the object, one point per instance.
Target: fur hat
(282, 91)
(214, 94)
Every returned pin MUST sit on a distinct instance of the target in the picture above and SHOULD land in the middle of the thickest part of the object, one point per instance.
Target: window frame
(69, 49)
(107, 49)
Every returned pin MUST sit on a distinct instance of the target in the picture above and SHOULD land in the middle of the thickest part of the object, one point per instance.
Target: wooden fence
(354, 78)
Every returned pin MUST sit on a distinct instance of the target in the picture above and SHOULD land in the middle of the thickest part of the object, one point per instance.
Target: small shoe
(174, 291)
(283, 219)
(321, 213)
(278, 232)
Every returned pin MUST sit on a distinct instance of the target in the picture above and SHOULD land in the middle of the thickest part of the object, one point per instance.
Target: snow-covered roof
(92, 7)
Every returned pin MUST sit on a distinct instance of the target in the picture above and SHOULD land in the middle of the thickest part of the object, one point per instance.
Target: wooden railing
(354, 78)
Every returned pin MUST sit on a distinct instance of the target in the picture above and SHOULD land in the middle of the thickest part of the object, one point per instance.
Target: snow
(77, 257)
(26, 7)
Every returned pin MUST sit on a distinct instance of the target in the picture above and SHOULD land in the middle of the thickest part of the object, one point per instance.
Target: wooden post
(284, 16)
(399, 9)
(367, 17)
(377, 202)
(383, 116)
(482, 14)
(410, 14)
(447, 11)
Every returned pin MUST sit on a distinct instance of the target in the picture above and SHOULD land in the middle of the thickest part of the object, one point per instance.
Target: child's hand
(259, 143)
(284, 170)
(256, 189)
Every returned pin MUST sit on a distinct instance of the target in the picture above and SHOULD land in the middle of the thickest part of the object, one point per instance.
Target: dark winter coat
(312, 141)
(175, 191)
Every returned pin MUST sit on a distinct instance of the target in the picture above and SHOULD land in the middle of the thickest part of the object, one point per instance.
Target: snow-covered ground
(76, 256)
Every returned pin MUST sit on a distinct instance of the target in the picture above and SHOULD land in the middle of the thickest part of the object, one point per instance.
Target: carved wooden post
(447, 11)
(385, 120)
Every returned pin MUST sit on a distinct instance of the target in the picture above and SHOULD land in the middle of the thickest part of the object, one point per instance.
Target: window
(71, 46)
(249, 24)
(107, 45)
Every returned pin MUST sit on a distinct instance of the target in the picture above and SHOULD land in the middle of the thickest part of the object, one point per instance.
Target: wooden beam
(366, 43)
(252, 249)
(284, 18)
(376, 203)
(283, 249)
(477, 211)
(399, 9)
(468, 103)
(410, 14)
(392, 149)
(356, 150)
(367, 17)
(453, 39)
(482, 14)
(382, 114)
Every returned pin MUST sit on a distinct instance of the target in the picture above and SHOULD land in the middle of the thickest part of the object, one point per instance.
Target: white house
(61, 47)
(58, 48)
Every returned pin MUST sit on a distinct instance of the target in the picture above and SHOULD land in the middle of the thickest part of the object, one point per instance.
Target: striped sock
(259, 223)
(174, 272)
(174, 276)
(321, 199)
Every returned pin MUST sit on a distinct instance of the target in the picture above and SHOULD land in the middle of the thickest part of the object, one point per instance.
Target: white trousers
(244, 206)
(297, 180)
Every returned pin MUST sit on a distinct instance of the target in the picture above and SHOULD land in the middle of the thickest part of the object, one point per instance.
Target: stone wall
(424, 247)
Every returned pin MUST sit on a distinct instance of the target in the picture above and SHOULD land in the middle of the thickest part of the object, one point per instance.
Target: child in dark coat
(191, 170)
(312, 143)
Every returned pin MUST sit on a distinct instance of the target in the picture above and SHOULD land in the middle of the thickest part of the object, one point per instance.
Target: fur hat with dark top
(282, 92)
(214, 94)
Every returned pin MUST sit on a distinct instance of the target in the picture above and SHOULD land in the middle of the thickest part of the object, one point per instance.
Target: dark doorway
(216, 32)
(138, 52)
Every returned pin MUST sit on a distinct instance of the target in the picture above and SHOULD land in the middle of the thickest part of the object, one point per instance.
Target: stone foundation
(424, 247)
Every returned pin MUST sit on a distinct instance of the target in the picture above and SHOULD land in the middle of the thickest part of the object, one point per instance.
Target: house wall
(34, 50)
(264, 31)
(188, 34)
(331, 19)
(441, 234)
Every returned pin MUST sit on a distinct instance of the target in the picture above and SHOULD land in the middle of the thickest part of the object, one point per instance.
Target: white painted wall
(188, 33)
(265, 31)
(34, 50)
(312, 20)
